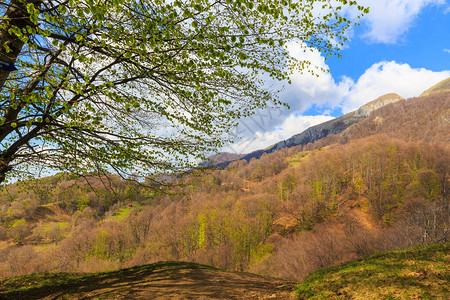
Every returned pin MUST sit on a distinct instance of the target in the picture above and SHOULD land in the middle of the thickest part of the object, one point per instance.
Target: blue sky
(401, 46)
(421, 46)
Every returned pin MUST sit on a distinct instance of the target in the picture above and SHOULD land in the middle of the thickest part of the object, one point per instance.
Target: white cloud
(390, 77)
(307, 89)
(268, 128)
(325, 92)
(389, 19)
(381, 78)
(446, 50)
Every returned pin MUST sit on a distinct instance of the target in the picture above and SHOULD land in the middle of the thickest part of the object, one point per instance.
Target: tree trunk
(16, 15)
(4, 168)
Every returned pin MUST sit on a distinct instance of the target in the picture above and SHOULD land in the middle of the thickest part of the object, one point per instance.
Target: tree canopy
(136, 86)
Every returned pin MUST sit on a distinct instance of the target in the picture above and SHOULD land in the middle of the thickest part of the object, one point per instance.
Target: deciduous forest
(382, 184)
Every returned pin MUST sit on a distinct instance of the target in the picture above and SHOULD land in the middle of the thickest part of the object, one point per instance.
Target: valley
(379, 184)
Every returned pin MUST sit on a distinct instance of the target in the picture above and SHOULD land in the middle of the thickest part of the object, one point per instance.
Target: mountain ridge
(334, 126)
(319, 131)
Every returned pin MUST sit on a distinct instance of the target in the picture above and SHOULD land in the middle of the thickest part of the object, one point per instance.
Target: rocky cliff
(366, 109)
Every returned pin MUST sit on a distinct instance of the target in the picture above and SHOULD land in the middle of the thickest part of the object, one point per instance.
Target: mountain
(222, 157)
(368, 108)
(340, 124)
(424, 119)
(381, 184)
(322, 130)
(443, 86)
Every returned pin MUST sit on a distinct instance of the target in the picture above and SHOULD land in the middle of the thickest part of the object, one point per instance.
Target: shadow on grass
(161, 280)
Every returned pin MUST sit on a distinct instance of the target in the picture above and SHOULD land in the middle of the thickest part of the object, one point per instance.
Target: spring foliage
(286, 214)
(130, 86)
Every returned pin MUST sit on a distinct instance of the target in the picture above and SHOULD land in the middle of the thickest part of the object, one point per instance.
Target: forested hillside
(423, 119)
(380, 185)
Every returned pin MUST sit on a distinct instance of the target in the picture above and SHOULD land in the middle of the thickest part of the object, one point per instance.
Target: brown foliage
(287, 214)
(423, 119)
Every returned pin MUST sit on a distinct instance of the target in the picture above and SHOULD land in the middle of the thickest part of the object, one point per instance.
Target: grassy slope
(163, 280)
(125, 211)
(442, 86)
(422, 272)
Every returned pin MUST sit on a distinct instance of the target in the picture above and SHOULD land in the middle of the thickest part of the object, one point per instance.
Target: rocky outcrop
(366, 109)
(317, 132)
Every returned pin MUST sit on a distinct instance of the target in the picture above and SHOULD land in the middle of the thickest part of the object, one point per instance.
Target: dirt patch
(180, 281)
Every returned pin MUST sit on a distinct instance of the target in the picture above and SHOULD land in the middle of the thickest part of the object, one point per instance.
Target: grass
(298, 157)
(421, 272)
(124, 212)
(32, 284)
(444, 85)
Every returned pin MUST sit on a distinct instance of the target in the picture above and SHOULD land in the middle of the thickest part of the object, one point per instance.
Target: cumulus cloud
(389, 19)
(390, 77)
(308, 88)
(446, 50)
(268, 127)
(381, 78)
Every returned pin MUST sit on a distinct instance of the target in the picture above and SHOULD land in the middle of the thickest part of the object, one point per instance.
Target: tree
(139, 87)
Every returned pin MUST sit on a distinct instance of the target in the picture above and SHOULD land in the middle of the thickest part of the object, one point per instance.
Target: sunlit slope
(443, 86)
(418, 273)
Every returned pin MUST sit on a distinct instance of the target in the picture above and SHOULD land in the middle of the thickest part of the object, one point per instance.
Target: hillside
(165, 280)
(440, 87)
(422, 119)
(381, 184)
(285, 215)
(417, 273)
(222, 157)
(421, 272)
